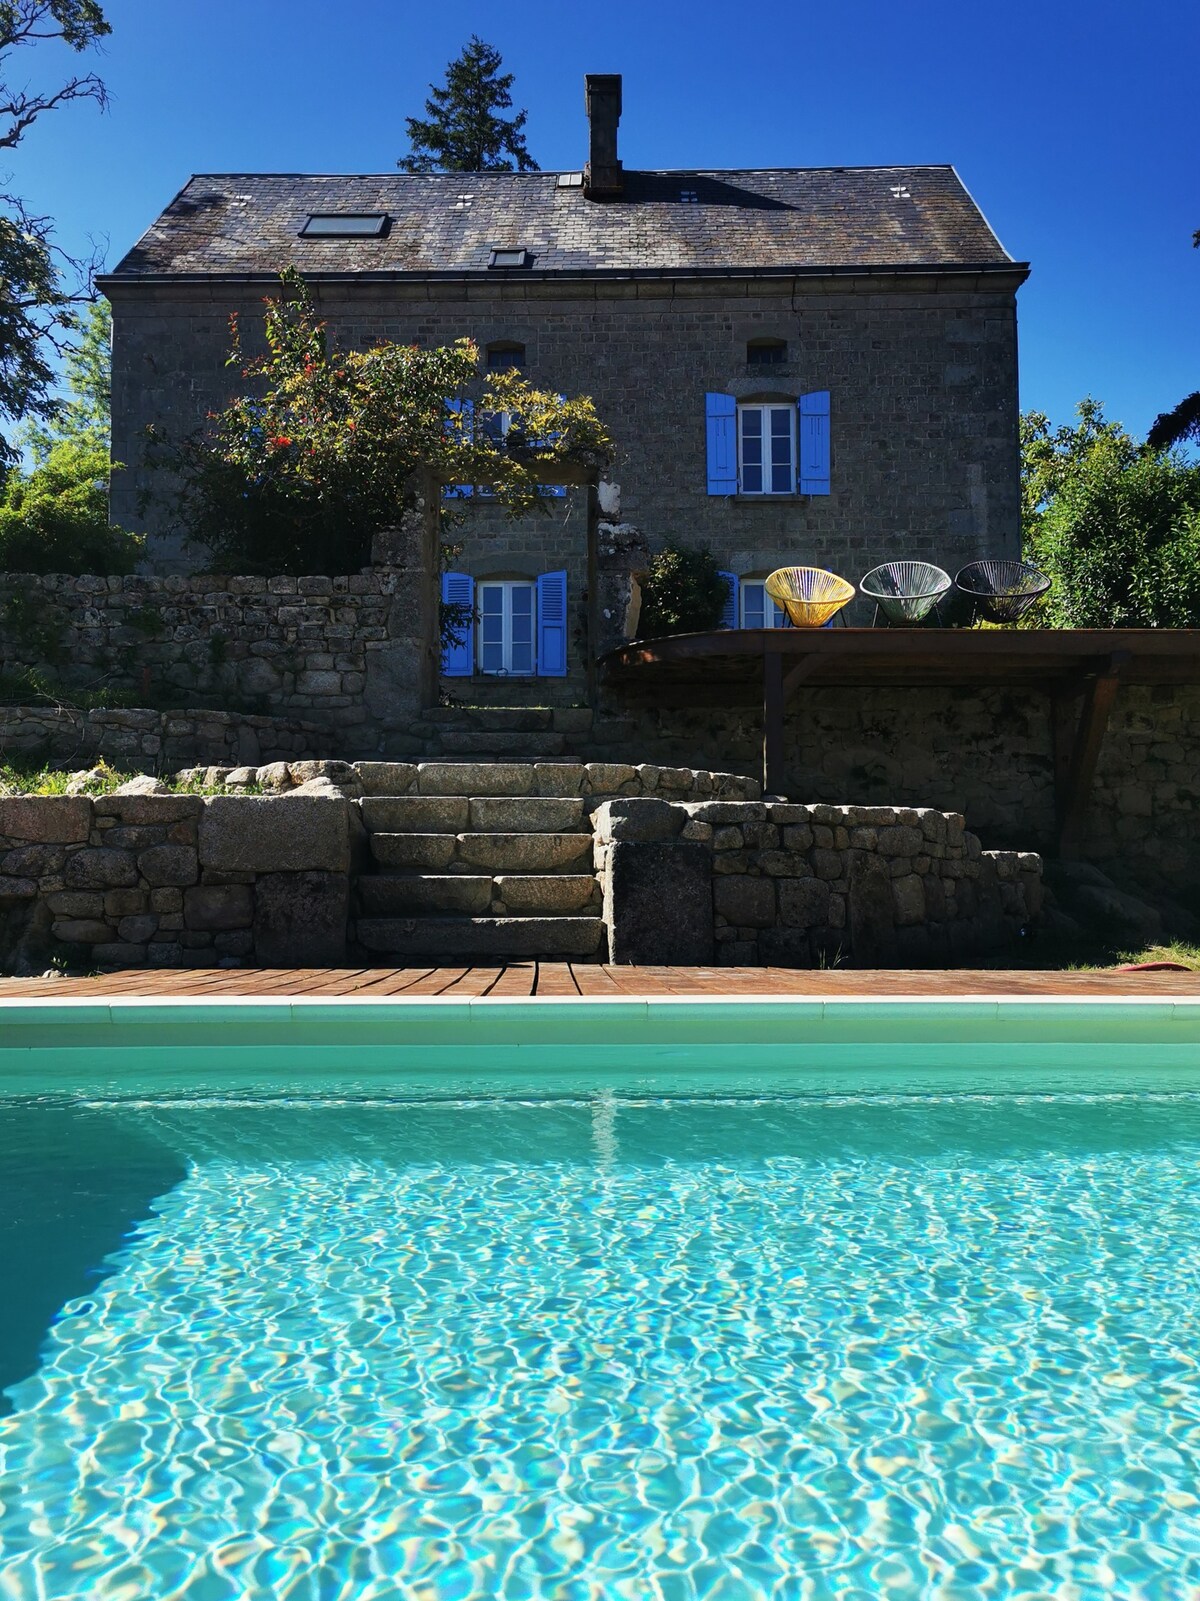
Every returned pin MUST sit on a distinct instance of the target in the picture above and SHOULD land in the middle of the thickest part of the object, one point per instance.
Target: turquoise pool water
(720, 1347)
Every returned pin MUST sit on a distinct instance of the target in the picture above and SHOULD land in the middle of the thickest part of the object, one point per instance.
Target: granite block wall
(752, 883)
(174, 880)
(921, 371)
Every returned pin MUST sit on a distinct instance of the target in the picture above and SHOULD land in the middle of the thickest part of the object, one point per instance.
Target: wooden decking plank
(394, 981)
(555, 978)
(436, 980)
(518, 978)
(476, 981)
(590, 980)
(593, 979)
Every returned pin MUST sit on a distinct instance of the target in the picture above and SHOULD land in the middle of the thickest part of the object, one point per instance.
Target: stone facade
(769, 883)
(921, 371)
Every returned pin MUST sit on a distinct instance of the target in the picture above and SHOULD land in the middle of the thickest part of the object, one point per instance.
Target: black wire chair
(905, 591)
(1001, 591)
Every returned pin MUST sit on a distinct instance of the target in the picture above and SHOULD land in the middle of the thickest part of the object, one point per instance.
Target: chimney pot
(602, 177)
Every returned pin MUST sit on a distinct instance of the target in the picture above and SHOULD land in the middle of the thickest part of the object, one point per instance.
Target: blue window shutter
(814, 443)
(729, 616)
(458, 661)
(552, 625)
(720, 421)
(466, 410)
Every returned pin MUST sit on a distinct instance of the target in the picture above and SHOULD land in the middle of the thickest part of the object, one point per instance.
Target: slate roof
(448, 223)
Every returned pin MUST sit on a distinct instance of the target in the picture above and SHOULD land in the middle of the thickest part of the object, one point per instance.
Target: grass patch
(27, 778)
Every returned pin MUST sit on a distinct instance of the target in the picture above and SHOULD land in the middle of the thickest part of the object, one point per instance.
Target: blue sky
(1073, 126)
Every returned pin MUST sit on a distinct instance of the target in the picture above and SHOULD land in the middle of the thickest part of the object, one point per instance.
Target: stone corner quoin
(275, 833)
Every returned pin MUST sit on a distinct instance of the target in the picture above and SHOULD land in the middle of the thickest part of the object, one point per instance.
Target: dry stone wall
(769, 883)
(151, 741)
(174, 880)
(987, 754)
(305, 648)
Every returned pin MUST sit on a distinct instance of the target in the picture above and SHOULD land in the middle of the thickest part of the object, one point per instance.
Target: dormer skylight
(509, 258)
(345, 225)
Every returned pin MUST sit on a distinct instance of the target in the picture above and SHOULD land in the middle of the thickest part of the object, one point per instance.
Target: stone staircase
(509, 733)
(485, 863)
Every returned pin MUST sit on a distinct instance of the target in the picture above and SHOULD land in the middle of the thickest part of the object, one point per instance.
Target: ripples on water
(679, 1350)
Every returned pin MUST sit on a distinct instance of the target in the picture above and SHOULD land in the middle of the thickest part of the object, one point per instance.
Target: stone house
(797, 365)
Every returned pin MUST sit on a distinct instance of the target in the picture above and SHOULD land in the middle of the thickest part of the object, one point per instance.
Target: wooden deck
(591, 980)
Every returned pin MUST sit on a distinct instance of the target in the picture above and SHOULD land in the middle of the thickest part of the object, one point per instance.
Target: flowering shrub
(298, 477)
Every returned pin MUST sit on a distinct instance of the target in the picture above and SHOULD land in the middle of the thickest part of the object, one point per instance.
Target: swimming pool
(626, 1340)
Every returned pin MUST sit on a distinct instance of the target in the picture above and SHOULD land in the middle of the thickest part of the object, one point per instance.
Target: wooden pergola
(1079, 669)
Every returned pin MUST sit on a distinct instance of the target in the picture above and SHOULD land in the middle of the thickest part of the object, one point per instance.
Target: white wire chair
(905, 591)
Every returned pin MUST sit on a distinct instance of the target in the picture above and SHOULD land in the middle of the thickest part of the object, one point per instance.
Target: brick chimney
(602, 178)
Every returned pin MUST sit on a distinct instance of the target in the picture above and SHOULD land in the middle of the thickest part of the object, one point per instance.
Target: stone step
(528, 814)
(504, 719)
(490, 853)
(507, 895)
(400, 895)
(473, 778)
(416, 814)
(546, 894)
(483, 743)
(497, 939)
(458, 814)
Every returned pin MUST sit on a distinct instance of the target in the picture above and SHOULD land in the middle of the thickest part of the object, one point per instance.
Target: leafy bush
(298, 477)
(54, 519)
(682, 593)
(1114, 524)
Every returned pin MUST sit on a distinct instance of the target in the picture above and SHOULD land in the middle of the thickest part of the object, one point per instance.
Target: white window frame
(507, 587)
(763, 408)
(774, 615)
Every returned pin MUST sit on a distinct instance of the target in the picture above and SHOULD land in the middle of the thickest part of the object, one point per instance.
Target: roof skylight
(509, 258)
(345, 225)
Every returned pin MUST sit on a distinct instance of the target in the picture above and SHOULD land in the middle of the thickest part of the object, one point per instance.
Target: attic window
(505, 357)
(766, 352)
(689, 197)
(509, 258)
(900, 191)
(345, 225)
(569, 180)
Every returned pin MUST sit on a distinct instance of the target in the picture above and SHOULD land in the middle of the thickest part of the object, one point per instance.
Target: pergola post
(1073, 778)
(772, 723)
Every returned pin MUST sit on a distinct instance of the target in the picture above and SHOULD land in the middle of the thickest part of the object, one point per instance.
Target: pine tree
(464, 132)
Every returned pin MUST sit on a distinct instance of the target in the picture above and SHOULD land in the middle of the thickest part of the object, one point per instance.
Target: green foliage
(35, 301)
(54, 518)
(463, 131)
(34, 778)
(1115, 525)
(682, 593)
(298, 477)
(1180, 426)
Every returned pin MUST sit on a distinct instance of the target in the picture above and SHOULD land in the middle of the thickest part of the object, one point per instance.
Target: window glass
(752, 450)
(507, 619)
(766, 450)
(758, 609)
